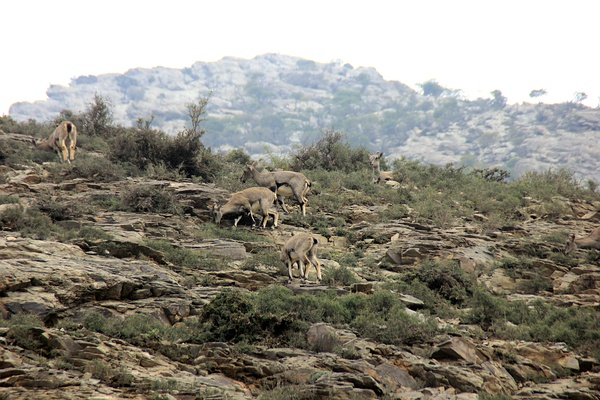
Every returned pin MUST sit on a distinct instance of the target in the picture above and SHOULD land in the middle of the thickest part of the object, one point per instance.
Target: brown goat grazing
(57, 141)
(591, 241)
(284, 183)
(301, 249)
(248, 201)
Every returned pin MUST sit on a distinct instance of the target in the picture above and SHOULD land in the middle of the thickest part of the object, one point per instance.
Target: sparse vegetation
(485, 203)
(150, 199)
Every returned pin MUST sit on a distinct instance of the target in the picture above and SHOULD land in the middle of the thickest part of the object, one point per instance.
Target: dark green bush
(95, 321)
(150, 199)
(233, 317)
(238, 156)
(25, 331)
(9, 199)
(97, 119)
(97, 169)
(579, 328)
(341, 275)
(182, 257)
(545, 185)
(140, 147)
(58, 210)
(332, 153)
(147, 148)
(31, 223)
(384, 318)
(266, 257)
(30, 127)
(446, 279)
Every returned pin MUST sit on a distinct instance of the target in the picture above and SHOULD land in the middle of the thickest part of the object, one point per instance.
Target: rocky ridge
(57, 281)
(275, 102)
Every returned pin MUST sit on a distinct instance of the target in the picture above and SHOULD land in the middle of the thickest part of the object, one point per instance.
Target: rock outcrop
(122, 276)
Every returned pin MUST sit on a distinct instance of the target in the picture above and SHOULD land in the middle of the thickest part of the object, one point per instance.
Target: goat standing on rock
(284, 183)
(301, 249)
(248, 201)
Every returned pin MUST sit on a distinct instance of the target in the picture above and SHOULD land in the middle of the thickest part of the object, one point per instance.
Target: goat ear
(254, 164)
(380, 154)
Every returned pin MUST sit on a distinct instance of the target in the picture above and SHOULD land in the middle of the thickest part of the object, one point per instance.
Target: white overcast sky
(478, 46)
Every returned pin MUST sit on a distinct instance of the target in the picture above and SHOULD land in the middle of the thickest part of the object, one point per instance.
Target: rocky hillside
(275, 101)
(62, 282)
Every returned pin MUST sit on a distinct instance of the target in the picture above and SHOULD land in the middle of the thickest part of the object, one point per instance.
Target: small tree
(196, 112)
(332, 153)
(499, 101)
(98, 118)
(537, 93)
(431, 88)
(579, 97)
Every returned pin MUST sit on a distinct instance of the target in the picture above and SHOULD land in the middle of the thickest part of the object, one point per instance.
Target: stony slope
(276, 101)
(66, 281)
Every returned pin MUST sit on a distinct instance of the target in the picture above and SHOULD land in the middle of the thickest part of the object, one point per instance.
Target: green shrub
(30, 127)
(486, 396)
(326, 343)
(238, 156)
(97, 169)
(212, 231)
(331, 152)
(446, 279)
(385, 319)
(92, 233)
(167, 385)
(579, 328)
(341, 275)
(233, 317)
(9, 199)
(58, 210)
(31, 223)
(140, 147)
(593, 256)
(433, 301)
(150, 199)
(290, 392)
(25, 331)
(180, 256)
(107, 373)
(148, 149)
(486, 309)
(545, 185)
(97, 119)
(266, 257)
(96, 322)
(107, 202)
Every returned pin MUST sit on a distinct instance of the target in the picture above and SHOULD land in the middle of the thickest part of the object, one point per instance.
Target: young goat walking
(301, 249)
(57, 141)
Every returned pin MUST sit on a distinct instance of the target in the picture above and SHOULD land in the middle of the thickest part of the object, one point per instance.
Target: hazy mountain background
(273, 102)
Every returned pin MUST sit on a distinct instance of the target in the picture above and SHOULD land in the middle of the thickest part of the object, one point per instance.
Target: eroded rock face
(123, 276)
